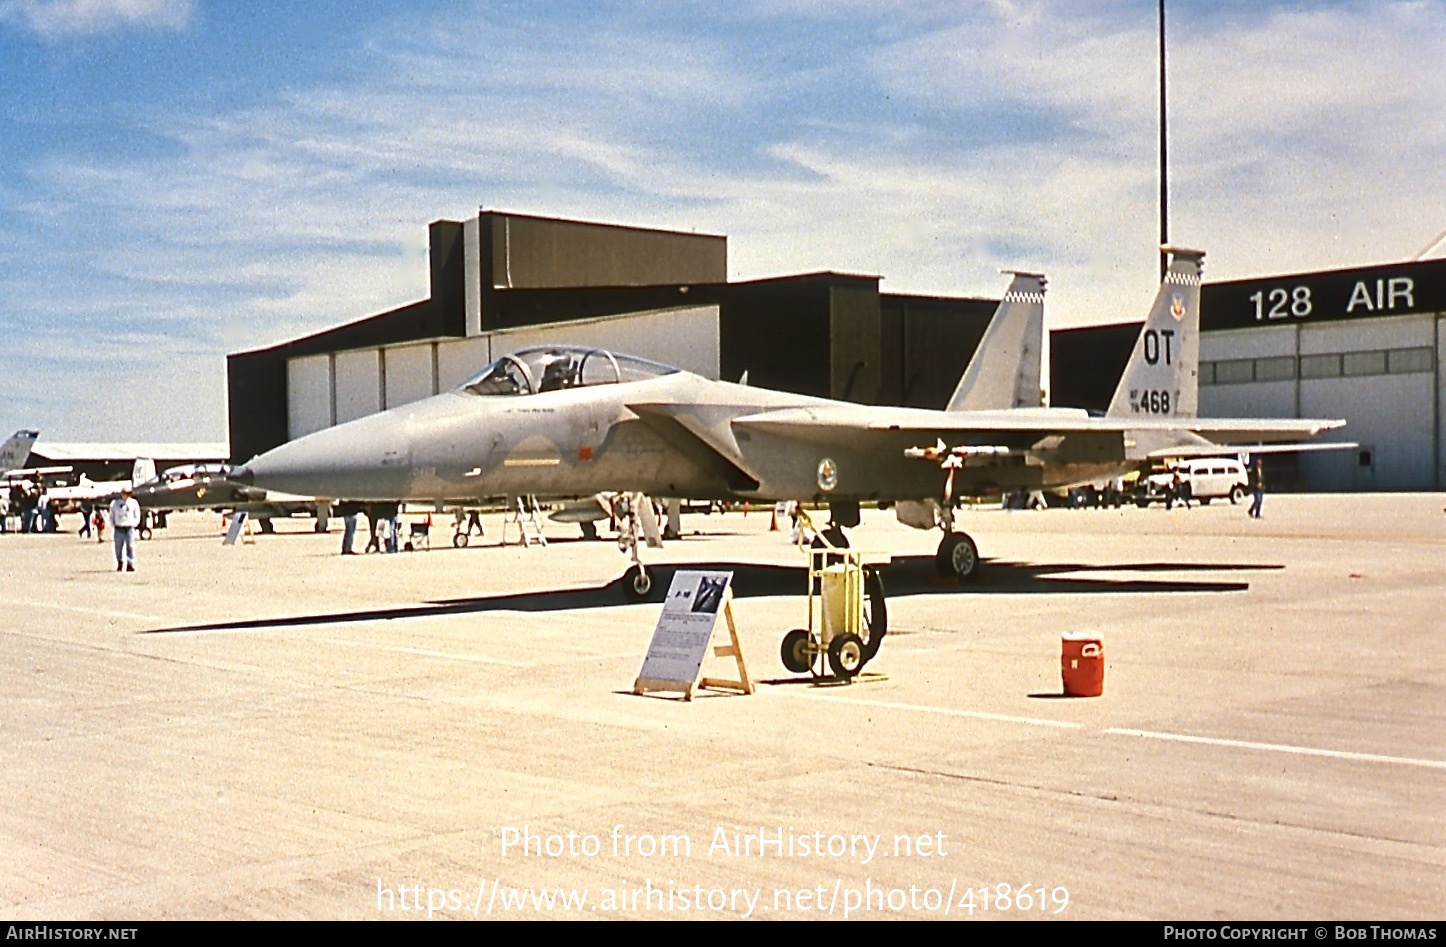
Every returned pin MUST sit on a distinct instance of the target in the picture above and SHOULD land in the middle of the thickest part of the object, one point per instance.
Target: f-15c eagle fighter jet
(565, 421)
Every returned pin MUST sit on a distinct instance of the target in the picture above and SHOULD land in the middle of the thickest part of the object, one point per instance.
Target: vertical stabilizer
(1162, 377)
(16, 450)
(1005, 369)
(143, 471)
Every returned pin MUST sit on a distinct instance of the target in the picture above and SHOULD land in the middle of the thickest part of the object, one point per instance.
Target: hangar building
(501, 281)
(1364, 344)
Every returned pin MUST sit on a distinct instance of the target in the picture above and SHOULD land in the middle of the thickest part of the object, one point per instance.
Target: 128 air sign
(1400, 289)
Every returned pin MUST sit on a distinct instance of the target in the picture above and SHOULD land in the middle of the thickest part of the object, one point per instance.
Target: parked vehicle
(1205, 479)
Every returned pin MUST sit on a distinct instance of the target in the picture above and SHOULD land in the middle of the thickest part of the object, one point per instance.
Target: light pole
(1164, 176)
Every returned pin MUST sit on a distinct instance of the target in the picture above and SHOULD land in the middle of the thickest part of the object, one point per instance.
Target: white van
(1206, 477)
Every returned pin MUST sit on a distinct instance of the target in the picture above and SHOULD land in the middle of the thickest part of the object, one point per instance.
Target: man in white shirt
(125, 517)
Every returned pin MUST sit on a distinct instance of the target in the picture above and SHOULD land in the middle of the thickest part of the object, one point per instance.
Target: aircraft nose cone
(363, 460)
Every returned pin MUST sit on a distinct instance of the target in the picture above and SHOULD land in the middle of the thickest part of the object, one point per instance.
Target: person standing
(374, 544)
(1257, 488)
(125, 517)
(4, 511)
(85, 513)
(349, 514)
(29, 500)
(393, 514)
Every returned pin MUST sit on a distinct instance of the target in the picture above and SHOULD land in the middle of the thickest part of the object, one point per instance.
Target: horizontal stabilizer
(1234, 450)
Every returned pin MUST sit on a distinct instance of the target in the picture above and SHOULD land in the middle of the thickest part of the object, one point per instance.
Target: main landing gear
(958, 556)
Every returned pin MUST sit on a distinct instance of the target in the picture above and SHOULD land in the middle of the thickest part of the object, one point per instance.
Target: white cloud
(63, 19)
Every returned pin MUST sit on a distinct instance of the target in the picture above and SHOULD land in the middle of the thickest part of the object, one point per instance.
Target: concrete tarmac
(272, 730)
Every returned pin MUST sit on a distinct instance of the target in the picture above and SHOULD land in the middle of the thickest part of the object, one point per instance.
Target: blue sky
(180, 179)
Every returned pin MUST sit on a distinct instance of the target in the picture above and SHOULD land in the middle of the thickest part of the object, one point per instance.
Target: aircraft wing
(1233, 431)
(828, 424)
(25, 473)
(835, 424)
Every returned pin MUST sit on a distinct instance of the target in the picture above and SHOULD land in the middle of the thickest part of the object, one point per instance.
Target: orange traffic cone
(773, 521)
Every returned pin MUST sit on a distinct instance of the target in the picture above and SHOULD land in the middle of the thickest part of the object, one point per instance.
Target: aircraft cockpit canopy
(193, 472)
(555, 367)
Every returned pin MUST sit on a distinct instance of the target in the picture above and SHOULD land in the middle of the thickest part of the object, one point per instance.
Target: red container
(1082, 665)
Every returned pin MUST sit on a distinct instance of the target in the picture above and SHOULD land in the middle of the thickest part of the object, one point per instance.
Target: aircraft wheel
(846, 654)
(957, 556)
(797, 651)
(1237, 493)
(1145, 504)
(144, 532)
(460, 540)
(637, 583)
(589, 530)
(265, 526)
(876, 613)
(1204, 501)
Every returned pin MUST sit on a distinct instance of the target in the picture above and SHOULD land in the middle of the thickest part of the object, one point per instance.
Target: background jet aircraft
(85, 490)
(206, 487)
(564, 421)
(13, 454)
(15, 450)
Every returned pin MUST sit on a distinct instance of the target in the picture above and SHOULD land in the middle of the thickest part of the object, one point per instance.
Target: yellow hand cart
(847, 613)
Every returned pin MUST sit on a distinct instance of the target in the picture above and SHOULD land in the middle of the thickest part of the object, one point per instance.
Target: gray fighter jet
(566, 421)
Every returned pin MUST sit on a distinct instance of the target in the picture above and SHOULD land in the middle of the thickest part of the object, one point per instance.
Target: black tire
(144, 532)
(846, 655)
(876, 613)
(637, 584)
(589, 530)
(1237, 493)
(264, 524)
(460, 540)
(958, 557)
(1204, 501)
(797, 651)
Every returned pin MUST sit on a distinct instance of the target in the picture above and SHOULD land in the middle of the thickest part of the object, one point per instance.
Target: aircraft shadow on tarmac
(905, 576)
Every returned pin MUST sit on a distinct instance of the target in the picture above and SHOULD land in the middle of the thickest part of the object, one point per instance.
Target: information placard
(237, 522)
(684, 631)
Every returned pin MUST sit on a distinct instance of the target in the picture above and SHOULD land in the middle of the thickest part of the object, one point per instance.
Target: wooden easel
(732, 649)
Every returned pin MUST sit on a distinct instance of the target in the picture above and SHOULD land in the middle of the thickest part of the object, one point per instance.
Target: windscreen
(558, 367)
